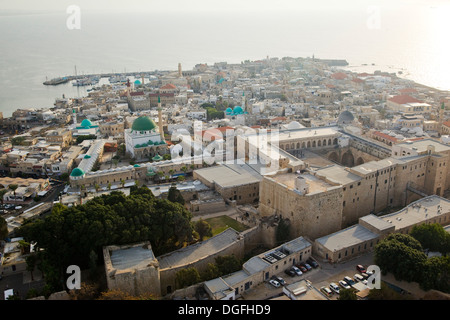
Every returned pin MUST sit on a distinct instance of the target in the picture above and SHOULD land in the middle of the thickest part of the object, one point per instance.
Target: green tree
(70, 235)
(228, 264)
(436, 274)
(401, 255)
(347, 294)
(93, 258)
(17, 141)
(432, 236)
(3, 228)
(187, 277)
(282, 231)
(211, 272)
(31, 261)
(2, 194)
(203, 229)
(174, 195)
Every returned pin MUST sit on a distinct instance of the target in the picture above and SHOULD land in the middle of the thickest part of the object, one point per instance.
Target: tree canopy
(432, 236)
(403, 256)
(71, 235)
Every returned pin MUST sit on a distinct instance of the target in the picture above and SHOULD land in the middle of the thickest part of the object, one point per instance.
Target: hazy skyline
(210, 5)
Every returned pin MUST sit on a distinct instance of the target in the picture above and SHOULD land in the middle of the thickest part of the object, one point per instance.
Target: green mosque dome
(86, 123)
(77, 172)
(143, 123)
(238, 110)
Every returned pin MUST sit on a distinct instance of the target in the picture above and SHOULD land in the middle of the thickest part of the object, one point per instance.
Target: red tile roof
(358, 80)
(385, 136)
(339, 76)
(212, 132)
(168, 86)
(403, 99)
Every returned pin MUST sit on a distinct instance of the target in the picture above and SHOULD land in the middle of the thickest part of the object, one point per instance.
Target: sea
(37, 46)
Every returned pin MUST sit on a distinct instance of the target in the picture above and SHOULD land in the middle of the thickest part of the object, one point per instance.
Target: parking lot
(318, 277)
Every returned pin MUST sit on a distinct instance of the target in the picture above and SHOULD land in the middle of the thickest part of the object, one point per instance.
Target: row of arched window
(309, 144)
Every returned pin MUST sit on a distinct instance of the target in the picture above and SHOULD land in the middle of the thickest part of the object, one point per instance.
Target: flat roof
(346, 238)
(230, 175)
(131, 258)
(306, 133)
(315, 184)
(218, 287)
(376, 222)
(255, 264)
(296, 245)
(422, 145)
(373, 166)
(426, 208)
(235, 277)
(198, 251)
(338, 174)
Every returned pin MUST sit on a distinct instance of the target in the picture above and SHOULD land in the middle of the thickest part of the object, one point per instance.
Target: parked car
(349, 280)
(297, 270)
(302, 268)
(307, 266)
(326, 291)
(334, 287)
(361, 268)
(312, 262)
(365, 275)
(279, 279)
(358, 277)
(275, 283)
(344, 284)
(289, 272)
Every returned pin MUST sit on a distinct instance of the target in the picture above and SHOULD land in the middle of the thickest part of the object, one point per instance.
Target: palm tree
(82, 189)
(171, 172)
(122, 182)
(2, 194)
(97, 187)
(13, 188)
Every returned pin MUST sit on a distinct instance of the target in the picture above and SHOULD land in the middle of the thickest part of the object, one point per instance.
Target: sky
(207, 5)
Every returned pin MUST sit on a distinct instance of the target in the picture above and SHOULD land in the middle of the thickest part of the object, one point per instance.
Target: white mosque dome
(294, 125)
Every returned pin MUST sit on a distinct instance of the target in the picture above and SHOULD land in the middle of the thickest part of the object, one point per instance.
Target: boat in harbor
(56, 81)
(88, 81)
(117, 79)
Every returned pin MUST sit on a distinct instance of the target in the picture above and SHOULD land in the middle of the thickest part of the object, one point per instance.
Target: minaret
(441, 117)
(243, 101)
(180, 73)
(74, 117)
(160, 124)
(142, 77)
(128, 87)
